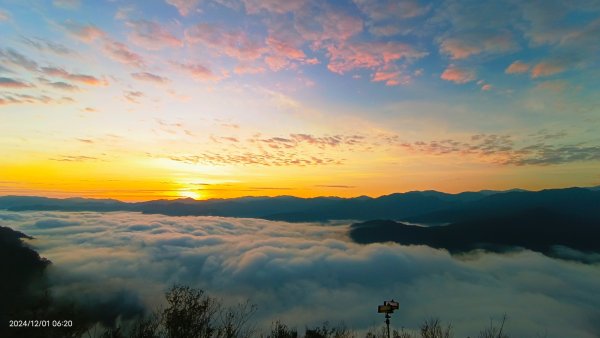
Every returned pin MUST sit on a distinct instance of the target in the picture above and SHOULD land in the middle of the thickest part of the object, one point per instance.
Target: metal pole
(387, 322)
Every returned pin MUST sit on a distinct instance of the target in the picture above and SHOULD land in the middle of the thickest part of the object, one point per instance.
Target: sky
(307, 273)
(225, 98)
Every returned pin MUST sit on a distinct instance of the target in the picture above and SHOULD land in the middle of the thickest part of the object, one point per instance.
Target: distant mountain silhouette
(585, 203)
(537, 229)
(429, 207)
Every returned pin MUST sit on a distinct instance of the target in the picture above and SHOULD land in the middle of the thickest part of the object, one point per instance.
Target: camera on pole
(388, 307)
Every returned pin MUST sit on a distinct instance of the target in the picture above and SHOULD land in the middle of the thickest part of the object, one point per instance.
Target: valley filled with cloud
(307, 273)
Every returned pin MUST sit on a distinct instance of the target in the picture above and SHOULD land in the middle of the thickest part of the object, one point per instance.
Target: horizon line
(292, 196)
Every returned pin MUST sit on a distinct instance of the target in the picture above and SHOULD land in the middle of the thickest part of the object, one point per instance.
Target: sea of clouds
(306, 273)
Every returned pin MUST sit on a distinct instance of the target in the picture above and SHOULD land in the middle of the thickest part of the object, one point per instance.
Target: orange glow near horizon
(144, 181)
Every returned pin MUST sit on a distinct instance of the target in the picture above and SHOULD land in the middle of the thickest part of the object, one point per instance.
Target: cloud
(133, 96)
(335, 186)
(53, 223)
(273, 6)
(113, 49)
(298, 140)
(151, 35)
(321, 26)
(223, 41)
(59, 84)
(388, 18)
(81, 78)
(6, 82)
(121, 53)
(248, 69)
(267, 159)
(391, 78)
(571, 43)
(74, 158)
(149, 77)
(44, 45)
(517, 67)
(465, 45)
(281, 52)
(67, 4)
(85, 33)
(543, 69)
(198, 71)
(184, 7)
(390, 9)
(292, 150)
(503, 150)
(4, 15)
(10, 98)
(458, 75)
(17, 59)
(327, 141)
(304, 273)
(370, 55)
(544, 154)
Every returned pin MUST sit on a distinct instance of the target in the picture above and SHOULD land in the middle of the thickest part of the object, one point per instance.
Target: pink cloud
(476, 43)
(13, 84)
(368, 55)
(81, 78)
(4, 15)
(326, 26)
(113, 49)
(517, 67)
(391, 78)
(248, 69)
(184, 7)
(458, 49)
(121, 53)
(282, 53)
(277, 62)
(198, 71)
(86, 33)
(152, 35)
(546, 69)
(284, 48)
(486, 87)
(457, 75)
(233, 43)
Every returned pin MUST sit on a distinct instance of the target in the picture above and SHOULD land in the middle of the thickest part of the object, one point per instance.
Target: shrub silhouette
(494, 331)
(190, 313)
(280, 330)
(340, 331)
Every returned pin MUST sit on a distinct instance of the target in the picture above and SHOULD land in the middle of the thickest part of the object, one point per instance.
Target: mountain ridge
(426, 207)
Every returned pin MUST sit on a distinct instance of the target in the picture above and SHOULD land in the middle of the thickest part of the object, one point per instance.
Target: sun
(189, 194)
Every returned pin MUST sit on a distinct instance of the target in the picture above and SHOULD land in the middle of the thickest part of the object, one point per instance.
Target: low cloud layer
(307, 273)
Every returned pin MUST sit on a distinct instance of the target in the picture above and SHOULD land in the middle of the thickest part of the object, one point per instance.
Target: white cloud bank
(307, 273)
